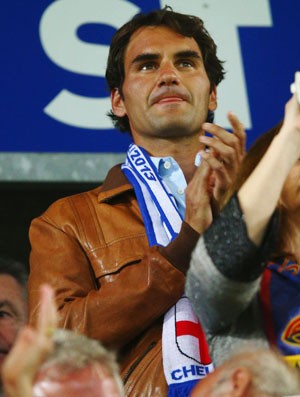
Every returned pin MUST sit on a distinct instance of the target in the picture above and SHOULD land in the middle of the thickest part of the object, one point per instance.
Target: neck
(183, 150)
(290, 234)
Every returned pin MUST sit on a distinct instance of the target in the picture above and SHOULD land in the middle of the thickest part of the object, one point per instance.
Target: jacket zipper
(137, 361)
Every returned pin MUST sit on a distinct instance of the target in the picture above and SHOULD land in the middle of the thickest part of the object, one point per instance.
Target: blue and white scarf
(186, 358)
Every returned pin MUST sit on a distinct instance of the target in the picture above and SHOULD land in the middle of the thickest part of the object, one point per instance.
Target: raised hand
(224, 154)
(30, 349)
(220, 163)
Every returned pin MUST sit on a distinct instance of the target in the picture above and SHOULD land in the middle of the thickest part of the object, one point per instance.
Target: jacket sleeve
(108, 286)
(225, 269)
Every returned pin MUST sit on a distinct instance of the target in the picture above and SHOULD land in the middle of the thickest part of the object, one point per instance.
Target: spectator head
(252, 373)
(13, 302)
(78, 366)
(185, 25)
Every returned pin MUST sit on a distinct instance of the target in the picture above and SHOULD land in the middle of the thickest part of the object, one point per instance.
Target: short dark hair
(186, 25)
(15, 269)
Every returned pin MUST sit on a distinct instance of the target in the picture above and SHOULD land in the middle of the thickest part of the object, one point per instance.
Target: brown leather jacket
(109, 284)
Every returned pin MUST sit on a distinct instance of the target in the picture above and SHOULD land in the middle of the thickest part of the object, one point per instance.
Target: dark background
(20, 202)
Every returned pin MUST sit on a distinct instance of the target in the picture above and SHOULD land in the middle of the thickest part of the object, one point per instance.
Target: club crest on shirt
(291, 333)
(290, 266)
(293, 268)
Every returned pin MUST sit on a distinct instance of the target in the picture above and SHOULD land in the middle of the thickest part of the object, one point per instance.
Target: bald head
(78, 366)
(252, 373)
(92, 380)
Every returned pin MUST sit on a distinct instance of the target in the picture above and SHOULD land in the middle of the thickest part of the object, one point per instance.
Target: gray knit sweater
(223, 283)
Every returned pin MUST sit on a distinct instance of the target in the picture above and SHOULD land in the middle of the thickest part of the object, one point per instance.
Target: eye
(5, 314)
(186, 63)
(148, 66)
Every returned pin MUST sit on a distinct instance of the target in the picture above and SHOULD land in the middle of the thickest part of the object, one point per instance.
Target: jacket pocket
(113, 257)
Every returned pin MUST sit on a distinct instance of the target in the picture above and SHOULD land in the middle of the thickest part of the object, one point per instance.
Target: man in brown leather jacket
(110, 284)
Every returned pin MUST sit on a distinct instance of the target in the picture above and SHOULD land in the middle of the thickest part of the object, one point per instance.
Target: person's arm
(259, 195)
(227, 261)
(111, 292)
(223, 277)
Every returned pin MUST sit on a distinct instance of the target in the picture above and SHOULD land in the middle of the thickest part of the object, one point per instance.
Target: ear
(117, 103)
(241, 380)
(212, 104)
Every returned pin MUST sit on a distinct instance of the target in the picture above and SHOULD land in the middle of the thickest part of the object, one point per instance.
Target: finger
(237, 126)
(47, 320)
(235, 139)
(238, 130)
(222, 152)
(220, 133)
(224, 143)
(198, 212)
(21, 346)
(216, 165)
(199, 180)
(222, 177)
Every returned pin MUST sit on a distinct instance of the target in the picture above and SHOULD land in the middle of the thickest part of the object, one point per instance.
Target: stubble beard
(175, 128)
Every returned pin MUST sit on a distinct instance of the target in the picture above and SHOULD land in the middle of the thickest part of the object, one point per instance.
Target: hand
(291, 120)
(30, 349)
(225, 154)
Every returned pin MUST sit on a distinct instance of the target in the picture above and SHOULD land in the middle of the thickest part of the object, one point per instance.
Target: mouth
(170, 99)
(168, 96)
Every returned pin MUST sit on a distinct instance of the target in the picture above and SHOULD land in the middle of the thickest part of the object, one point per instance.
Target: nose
(168, 74)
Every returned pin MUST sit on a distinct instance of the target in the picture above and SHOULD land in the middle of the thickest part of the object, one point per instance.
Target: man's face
(13, 313)
(166, 91)
(90, 381)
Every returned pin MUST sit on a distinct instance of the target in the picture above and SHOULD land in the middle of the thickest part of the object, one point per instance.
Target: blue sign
(53, 93)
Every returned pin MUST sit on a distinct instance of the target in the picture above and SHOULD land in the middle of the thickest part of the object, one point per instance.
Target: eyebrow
(145, 57)
(154, 56)
(188, 54)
